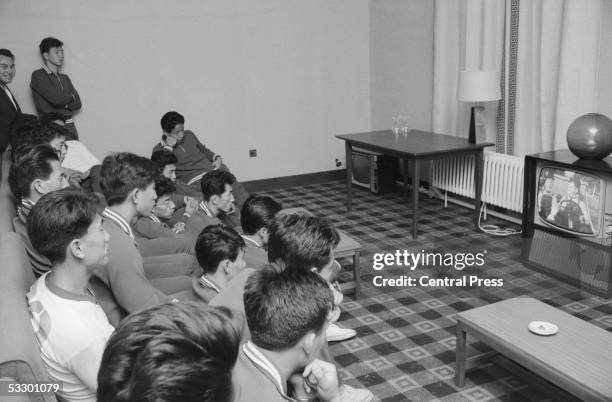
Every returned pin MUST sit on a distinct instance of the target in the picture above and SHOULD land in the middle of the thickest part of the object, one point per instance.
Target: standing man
(9, 108)
(53, 91)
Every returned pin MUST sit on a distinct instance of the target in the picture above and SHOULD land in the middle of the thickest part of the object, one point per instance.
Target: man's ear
(308, 342)
(134, 195)
(224, 265)
(75, 247)
(213, 199)
(38, 186)
(262, 232)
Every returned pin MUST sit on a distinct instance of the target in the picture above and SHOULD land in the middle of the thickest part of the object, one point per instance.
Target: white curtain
(468, 35)
(547, 51)
(558, 50)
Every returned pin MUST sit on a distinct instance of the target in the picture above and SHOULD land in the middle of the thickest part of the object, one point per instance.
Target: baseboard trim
(276, 183)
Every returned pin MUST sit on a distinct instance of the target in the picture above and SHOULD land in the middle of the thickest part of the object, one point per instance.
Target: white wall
(401, 61)
(281, 76)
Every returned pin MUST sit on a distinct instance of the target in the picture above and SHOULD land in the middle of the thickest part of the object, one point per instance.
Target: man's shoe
(350, 394)
(336, 333)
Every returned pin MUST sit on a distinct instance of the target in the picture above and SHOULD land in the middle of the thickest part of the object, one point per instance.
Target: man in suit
(9, 108)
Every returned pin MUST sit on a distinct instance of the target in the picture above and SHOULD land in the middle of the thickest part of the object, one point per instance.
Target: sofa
(19, 356)
(20, 360)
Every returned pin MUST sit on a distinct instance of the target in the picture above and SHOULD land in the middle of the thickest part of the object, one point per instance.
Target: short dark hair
(123, 172)
(213, 183)
(215, 244)
(170, 120)
(301, 240)
(49, 42)
(30, 164)
(282, 307)
(163, 157)
(258, 211)
(21, 128)
(7, 53)
(164, 186)
(58, 218)
(39, 134)
(171, 352)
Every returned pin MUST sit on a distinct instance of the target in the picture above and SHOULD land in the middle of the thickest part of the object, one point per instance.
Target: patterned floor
(405, 348)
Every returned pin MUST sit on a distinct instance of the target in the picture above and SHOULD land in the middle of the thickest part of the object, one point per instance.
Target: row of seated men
(128, 251)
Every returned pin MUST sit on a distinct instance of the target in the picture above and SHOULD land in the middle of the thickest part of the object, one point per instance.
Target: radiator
(502, 178)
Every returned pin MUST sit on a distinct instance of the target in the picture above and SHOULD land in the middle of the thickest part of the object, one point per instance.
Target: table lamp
(478, 86)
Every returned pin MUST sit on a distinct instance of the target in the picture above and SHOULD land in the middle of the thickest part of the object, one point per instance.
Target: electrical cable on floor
(493, 229)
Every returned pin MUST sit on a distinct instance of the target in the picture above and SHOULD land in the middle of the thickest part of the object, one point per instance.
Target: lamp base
(477, 125)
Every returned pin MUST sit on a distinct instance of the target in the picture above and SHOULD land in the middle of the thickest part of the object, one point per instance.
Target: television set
(574, 201)
(373, 171)
(567, 219)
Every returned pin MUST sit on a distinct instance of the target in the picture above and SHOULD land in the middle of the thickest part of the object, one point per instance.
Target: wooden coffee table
(347, 247)
(577, 359)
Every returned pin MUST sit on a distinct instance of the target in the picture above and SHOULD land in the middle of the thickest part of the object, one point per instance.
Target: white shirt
(72, 331)
(10, 95)
(78, 157)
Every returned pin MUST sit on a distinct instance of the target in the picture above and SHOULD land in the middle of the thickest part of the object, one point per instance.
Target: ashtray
(543, 328)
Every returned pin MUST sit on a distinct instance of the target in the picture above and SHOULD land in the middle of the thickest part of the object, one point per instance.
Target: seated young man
(128, 184)
(172, 352)
(220, 253)
(300, 241)
(54, 135)
(155, 225)
(218, 200)
(166, 162)
(194, 160)
(37, 172)
(71, 328)
(78, 157)
(256, 217)
(34, 173)
(30, 135)
(287, 313)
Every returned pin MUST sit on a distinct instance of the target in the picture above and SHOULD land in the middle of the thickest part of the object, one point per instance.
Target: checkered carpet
(405, 347)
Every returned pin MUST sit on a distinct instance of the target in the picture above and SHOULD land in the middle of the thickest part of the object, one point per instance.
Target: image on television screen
(569, 200)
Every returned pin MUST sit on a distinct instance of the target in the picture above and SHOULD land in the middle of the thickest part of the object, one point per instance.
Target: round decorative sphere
(590, 136)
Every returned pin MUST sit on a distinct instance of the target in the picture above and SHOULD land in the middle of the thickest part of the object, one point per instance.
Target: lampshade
(478, 86)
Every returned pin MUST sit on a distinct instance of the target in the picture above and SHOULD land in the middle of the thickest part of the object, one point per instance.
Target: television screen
(361, 169)
(570, 200)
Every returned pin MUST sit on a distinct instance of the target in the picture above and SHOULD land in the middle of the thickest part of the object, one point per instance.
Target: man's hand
(322, 378)
(191, 204)
(217, 162)
(170, 140)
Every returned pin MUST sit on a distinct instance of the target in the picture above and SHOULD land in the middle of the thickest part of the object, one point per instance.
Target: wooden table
(576, 359)
(347, 247)
(415, 146)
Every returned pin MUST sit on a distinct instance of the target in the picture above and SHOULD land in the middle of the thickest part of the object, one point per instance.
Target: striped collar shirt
(23, 210)
(119, 220)
(206, 210)
(262, 363)
(154, 218)
(207, 283)
(251, 241)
